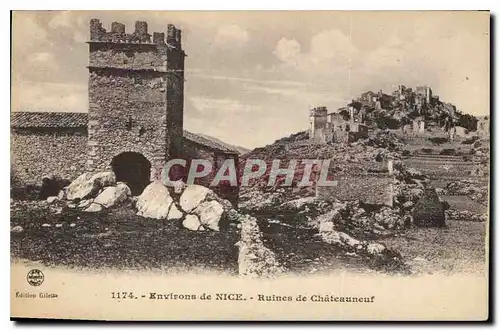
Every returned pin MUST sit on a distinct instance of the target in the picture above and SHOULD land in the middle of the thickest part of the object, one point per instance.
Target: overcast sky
(252, 76)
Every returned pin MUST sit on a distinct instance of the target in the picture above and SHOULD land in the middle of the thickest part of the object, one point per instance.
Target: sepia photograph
(250, 165)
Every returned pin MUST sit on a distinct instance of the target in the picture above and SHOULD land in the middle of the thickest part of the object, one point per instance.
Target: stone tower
(136, 97)
(318, 123)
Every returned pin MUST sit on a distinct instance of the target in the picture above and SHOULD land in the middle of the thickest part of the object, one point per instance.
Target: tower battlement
(319, 112)
(139, 36)
(136, 95)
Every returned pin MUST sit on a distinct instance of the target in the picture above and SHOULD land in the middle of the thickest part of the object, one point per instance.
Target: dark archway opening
(133, 169)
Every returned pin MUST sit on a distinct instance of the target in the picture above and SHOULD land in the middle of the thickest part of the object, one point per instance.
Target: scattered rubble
(465, 215)
(474, 189)
(328, 230)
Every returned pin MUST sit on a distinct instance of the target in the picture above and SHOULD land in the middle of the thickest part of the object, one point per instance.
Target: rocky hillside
(363, 156)
(402, 106)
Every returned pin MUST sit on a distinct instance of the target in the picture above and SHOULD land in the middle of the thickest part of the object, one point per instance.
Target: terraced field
(460, 247)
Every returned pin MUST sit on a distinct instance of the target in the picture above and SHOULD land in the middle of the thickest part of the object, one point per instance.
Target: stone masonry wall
(136, 88)
(127, 113)
(35, 154)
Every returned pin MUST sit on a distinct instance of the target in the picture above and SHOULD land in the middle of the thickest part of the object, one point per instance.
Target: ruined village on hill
(412, 175)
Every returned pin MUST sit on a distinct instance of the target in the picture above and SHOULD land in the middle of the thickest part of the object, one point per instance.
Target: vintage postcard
(250, 165)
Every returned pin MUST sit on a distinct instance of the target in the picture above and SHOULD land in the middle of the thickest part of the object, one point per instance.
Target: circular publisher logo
(35, 277)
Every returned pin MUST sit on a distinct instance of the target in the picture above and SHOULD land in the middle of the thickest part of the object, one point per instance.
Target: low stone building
(47, 144)
(134, 123)
(44, 144)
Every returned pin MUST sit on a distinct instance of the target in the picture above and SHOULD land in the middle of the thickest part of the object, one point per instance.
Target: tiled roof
(77, 120)
(48, 120)
(209, 143)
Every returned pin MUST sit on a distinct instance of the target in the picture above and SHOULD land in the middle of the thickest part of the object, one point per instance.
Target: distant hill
(240, 149)
(405, 104)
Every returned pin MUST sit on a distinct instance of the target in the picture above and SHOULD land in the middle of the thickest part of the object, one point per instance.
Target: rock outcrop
(429, 210)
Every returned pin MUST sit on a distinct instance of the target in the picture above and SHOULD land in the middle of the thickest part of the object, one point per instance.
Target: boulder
(230, 213)
(62, 193)
(375, 248)
(408, 205)
(156, 202)
(52, 199)
(113, 195)
(88, 185)
(94, 208)
(210, 213)
(192, 222)
(297, 204)
(429, 211)
(83, 204)
(17, 229)
(387, 218)
(179, 186)
(332, 216)
(192, 196)
(326, 226)
(104, 179)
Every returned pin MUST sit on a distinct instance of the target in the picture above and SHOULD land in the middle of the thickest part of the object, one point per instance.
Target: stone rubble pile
(465, 215)
(92, 193)
(471, 188)
(328, 226)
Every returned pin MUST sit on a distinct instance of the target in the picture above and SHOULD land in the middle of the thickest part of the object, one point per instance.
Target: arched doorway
(133, 169)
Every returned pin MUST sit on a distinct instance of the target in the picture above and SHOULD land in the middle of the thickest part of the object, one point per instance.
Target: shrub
(470, 140)
(427, 150)
(438, 140)
(406, 153)
(448, 151)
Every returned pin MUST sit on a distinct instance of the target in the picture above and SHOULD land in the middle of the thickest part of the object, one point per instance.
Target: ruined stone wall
(38, 153)
(136, 91)
(192, 150)
(370, 189)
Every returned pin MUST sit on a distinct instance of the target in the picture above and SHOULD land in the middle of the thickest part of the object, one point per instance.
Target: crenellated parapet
(319, 112)
(139, 36)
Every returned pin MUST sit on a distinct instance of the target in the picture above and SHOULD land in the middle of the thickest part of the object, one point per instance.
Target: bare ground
(120, 239)
(458, 248)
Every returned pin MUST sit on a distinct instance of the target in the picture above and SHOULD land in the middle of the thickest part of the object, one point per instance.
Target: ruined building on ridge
(412, 111)
(334, 128)
(134, 123)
